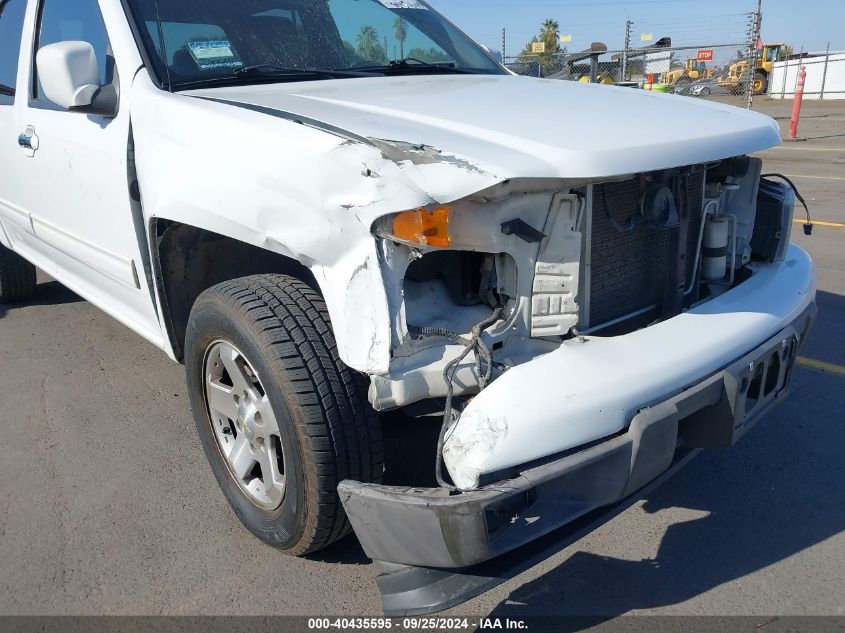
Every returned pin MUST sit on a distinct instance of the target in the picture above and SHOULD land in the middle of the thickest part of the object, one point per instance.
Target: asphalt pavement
(107, 505)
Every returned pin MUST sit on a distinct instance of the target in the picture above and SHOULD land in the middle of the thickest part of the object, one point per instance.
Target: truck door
(75, 178)
(14, 220)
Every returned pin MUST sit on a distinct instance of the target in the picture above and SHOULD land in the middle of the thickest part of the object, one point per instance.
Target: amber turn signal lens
(423, 227)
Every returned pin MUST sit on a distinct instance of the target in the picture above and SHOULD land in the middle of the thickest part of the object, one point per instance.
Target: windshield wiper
(271, 70)
(5, 90)
(404, 65)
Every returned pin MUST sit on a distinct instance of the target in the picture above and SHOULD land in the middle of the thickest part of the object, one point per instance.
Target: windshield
(215, 41)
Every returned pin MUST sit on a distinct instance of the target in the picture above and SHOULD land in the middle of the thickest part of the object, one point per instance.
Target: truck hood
(514, 127)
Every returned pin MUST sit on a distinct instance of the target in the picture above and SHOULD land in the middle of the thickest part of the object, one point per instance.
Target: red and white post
(796, 107)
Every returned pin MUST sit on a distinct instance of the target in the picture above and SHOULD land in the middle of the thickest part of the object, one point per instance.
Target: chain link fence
(716, 71)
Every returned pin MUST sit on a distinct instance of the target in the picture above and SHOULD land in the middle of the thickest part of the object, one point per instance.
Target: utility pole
(755, 35)
(628, 28)
(504, 44)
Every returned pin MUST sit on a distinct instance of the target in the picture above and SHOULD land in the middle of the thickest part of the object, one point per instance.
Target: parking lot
(108, 505)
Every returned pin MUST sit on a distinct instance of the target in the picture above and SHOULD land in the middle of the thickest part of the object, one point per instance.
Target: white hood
(514, 127)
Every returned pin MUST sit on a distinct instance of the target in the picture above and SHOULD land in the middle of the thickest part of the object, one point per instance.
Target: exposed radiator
(630, 269)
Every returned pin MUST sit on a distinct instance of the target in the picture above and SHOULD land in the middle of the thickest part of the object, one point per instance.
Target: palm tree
(400, 29)
(368, 44)
(550, 34)
(550, 25)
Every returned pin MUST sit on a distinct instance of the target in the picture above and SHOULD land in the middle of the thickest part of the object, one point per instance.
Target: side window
(62, 21)
(11, 28)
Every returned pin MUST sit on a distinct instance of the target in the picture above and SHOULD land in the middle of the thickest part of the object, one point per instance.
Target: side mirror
(70, 78)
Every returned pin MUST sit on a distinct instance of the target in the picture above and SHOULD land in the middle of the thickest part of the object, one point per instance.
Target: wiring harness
(484, 370)
(808, 225)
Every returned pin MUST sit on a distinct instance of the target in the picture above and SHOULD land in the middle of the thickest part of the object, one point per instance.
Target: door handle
(29, 141)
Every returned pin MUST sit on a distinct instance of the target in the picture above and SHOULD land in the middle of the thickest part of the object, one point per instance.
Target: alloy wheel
(244, 425)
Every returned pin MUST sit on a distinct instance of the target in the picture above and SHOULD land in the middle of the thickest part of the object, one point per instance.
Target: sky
(809, 24)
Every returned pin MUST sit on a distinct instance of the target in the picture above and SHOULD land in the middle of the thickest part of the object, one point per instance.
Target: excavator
(734, 79)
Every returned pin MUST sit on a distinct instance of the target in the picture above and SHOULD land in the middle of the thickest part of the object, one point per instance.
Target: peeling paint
(420, 154)
(470, 442)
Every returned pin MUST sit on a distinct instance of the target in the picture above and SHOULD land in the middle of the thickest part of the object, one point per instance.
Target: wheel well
(188, 260)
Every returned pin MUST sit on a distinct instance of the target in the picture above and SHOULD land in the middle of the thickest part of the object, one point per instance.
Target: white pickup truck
(327, 209)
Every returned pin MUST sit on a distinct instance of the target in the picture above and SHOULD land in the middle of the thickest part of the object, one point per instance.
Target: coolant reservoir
(714, 250)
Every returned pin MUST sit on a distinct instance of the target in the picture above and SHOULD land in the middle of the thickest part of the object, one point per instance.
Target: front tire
(17, 277)
(281, 419)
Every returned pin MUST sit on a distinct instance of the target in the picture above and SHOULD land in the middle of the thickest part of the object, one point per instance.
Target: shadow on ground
(788, 116)
(46, 294)
(826, 342)
(820, 137)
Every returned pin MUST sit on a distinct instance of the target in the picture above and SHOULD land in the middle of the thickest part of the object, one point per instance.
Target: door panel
(117, 267)
(76, 186)
(13, 217)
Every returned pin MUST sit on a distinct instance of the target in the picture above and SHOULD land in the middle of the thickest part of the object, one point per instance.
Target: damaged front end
(508, 259)
(564, 271)
(574, 336)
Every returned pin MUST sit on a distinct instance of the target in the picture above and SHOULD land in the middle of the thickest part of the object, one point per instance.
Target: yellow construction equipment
(693, 70)
(600, 79)
(734, 79)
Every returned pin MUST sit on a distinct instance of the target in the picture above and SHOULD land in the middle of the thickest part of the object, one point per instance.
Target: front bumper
(427, 531)
(432, 528)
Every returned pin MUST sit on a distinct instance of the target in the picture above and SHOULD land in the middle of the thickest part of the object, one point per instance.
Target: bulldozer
(734, 79)
(693, 70)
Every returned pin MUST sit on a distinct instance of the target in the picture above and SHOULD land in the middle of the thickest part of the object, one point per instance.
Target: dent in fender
(354, 294)
(313, 197)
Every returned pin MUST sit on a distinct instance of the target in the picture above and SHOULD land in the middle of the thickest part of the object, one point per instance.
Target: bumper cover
(434, 529)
